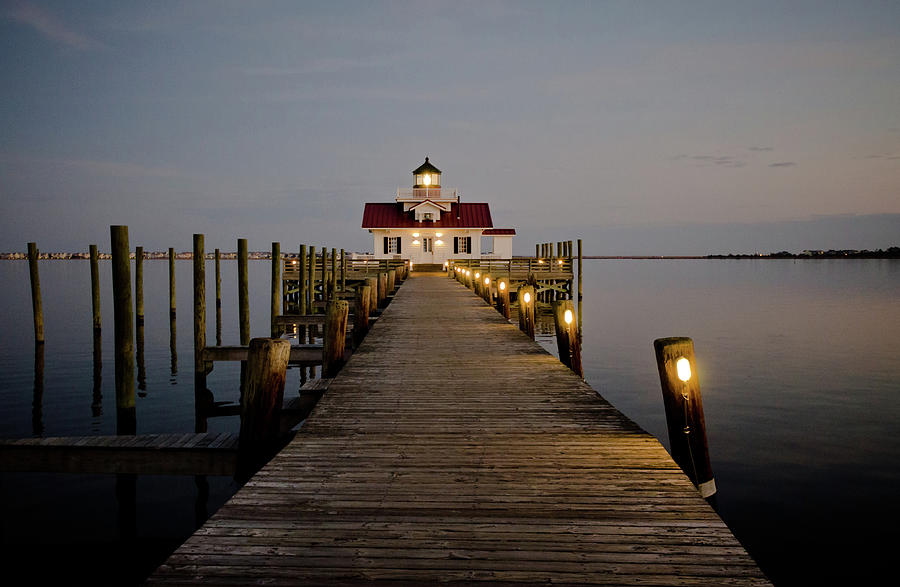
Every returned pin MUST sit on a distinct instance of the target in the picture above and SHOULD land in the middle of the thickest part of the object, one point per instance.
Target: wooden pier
(453, 449)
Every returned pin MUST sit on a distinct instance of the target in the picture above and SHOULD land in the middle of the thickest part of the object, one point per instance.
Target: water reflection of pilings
(97, 397)
(141, 365)
(173, 348)
(37, 403)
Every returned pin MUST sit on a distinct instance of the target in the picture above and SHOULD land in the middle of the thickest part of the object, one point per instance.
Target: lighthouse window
(427, 216)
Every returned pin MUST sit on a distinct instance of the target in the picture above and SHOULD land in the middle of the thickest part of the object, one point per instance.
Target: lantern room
(426, 175)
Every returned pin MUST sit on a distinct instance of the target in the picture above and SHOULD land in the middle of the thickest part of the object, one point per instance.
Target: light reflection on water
(797, 360)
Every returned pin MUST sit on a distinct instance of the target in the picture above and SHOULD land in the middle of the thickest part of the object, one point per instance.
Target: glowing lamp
(410, 264)
(541, 261)
(427, 179)
(446, 263)
(415, 242)
(683, 366)
(415, 235)
(568, 316)
(477, 275)
(487, 280)
(439, 234)
(527, 297)
(438, 242)
(560, 261)
(293, 262)
(502, 285)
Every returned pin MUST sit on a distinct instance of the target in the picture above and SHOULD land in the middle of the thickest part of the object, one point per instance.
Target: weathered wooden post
(123, 330)
(325, 279)
(218, 257)
(95, 288)
(37, 309)
(476, 283)
(332, 284)
(312, 279)
(138, 285)
(382, 288)
(171, 258)
(243, 293)
(487, 288)
(684, 410)
(579, 290)
(200, 367)
(503, 297)
(343, 270)
(526, 309)
(276, 289)
(261, 404)
(361, 313)
(372, 284)
(391, 281)
(301, 271)
(334, 335)
(567, 335)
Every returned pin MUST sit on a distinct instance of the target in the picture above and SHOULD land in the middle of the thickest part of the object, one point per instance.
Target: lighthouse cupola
(426, 176)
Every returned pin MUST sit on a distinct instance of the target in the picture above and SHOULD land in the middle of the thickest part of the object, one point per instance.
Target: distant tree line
(889, 253)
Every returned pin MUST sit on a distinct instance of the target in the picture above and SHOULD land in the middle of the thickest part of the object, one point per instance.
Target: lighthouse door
(428, 247)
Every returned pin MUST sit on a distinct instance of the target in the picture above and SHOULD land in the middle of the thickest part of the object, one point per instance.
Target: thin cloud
(760, 148)
(51, 27)
(711, 160)
(783, 164)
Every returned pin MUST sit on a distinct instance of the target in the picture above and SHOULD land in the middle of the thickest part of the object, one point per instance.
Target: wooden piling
(684, 410)
(301, 272)
(200, 367)
(325, 279)
(372, 284)
(275, 309)
(334, 335)
(172, 282)
(343, 270)
(526, 301)
(261, 404)
(332, 282)
(503, 297)
(95, 288)
(391, 281)
(487, 284)
(579, 291)
(218, 257)
(123, 329)
(138, 285)
(382, 289)
(361, 313)
(567, 335)
(37, 309)
(243, 293)
(312, 279)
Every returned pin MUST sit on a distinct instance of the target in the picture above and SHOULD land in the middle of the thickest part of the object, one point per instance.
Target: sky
(640, 127)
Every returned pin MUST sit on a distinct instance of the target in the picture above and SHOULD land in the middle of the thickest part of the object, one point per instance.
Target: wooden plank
(157, 454)
(452, 448)
(306, 353)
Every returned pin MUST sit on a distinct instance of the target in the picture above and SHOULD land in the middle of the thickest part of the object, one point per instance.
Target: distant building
(428, 224)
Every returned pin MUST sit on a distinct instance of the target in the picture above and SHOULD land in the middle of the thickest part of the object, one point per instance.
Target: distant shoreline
(890, 253)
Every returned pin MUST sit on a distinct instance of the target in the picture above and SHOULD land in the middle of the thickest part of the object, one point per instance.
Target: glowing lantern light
(477, 275)
(684, 368)
(502, 285)
(415, 235)
(427, 179)
(487, 280)
(568, 317)
(527, 297)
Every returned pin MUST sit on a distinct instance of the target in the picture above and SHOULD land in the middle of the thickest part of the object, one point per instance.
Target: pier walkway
(452, 448)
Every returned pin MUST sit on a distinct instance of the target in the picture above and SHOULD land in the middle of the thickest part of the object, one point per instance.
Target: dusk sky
(642, 127)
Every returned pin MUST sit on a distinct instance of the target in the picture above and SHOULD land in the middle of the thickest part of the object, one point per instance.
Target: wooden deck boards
(452, 448)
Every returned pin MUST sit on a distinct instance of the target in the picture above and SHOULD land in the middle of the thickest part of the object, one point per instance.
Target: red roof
(468, 215)
(498, 231)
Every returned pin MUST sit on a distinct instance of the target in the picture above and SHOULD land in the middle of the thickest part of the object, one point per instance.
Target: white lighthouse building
(427, 224)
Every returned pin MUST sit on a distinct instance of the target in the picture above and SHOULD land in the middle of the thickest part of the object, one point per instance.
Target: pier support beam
(567, 335)
(123, 330)
(261, 404)
(36, 307)
(526, 303)
(95, 289)
(334, 335)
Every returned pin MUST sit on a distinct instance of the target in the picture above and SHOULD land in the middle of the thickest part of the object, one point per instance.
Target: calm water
(798, 365)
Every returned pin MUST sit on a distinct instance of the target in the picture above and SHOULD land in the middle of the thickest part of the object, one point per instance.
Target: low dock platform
(453, 449)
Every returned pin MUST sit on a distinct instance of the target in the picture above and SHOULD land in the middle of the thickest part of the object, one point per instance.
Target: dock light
(477, 275)
(684, 369)
(415, 235)
(527, 297)
(540, 261)
(439, 234)
(487, 280)
(468, 272)
(293, 262)
(560, 261)
(568, 318)
(502, 285)
(438, 242)
(416, 242)
(446, 263)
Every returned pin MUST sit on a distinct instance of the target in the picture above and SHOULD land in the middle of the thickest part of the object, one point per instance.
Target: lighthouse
(428, 225)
